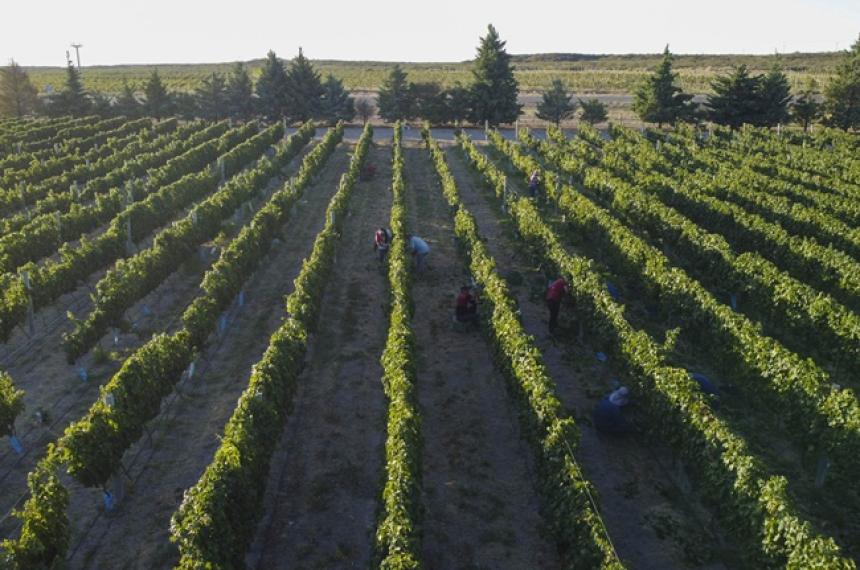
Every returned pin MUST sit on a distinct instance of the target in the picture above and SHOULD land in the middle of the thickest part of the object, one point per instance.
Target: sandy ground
(479, 480)
(39, 366)
(655, 518)
(185, 435)
(323, 491)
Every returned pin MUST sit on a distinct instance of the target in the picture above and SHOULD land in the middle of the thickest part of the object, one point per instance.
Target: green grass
(581, 72)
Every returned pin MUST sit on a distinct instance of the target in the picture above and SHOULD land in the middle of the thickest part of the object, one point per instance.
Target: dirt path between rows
(185, 435)
(324, 485)
(51, 384)
(656, 521)
(479, 480)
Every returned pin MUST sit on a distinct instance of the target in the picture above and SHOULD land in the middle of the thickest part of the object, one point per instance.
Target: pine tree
(774, 95)
(842, 94)
(184, 105)
(556, 105)
(395, 101)
(304, 89)
(272, 88)
(806, 107)
(428, 102)
(459, 99)
(659, 100)
(593, 111)
(365, 109)
(239, 91)
(494, 91)
(158, 103)
(336, 103)
(211, 97)
(18, 96)
(100, 104)
(736, 98)
(73, 99)
(127, 103)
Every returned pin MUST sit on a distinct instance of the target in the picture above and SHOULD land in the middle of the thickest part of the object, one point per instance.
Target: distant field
(583, 73)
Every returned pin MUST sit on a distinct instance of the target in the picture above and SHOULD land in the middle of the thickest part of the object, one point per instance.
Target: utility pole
(78, 53)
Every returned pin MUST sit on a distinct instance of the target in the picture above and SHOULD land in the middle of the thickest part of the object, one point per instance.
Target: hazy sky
(176, 31)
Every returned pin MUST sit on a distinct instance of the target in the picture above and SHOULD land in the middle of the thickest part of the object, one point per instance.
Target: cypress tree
(659, 100)
(842, 94)
(272, 88)
(336, 103)
(304, 89)
(556, 105)
(157, 98)
(494, 91)
(238, 94)
(736, 98)
(18, 96)
(395, 101)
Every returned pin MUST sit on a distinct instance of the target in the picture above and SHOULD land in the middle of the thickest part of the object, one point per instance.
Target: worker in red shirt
(381, 242)
(554, 294)
(467, 306)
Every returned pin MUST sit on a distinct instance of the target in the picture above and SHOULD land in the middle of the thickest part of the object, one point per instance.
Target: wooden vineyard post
(129, 243)
(505, 194)
(31, 321)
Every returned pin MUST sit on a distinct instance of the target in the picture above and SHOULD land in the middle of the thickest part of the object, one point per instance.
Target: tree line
(292, 91)
(296, 92)
(765, 100)
(738, 98)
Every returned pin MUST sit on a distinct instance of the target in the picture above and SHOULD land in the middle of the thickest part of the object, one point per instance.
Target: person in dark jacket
(534, 183)
(608, 416)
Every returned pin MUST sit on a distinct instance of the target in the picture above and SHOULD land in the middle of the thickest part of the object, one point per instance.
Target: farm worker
(608, 417)
(381, 242)
(707, 387)
(467, 306)
(419, 249)
(554, 294)
(534, 182)
(705, 384)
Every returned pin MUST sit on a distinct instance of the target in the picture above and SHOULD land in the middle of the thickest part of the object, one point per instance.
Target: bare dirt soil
(185, 435)
(655, 518)
(479, 480)
(324, 486)
(54, 387)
